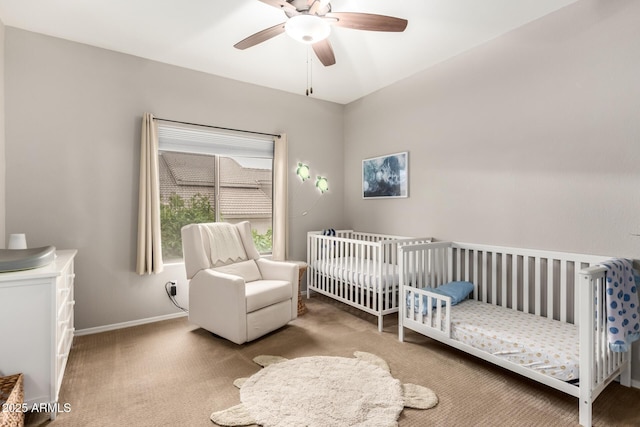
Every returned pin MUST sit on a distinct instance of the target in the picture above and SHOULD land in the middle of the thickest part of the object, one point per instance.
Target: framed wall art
(386, 176)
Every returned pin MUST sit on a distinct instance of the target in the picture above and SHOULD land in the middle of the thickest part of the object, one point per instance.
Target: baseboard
(114, 326)
(635, 384)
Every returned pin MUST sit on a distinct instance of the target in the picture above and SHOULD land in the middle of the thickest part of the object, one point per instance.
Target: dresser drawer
(64, 321)
(63, 348)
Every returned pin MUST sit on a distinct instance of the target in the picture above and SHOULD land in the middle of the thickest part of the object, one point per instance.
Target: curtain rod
(217, 127)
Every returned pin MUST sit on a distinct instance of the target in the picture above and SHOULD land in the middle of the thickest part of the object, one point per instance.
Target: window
(207, 175)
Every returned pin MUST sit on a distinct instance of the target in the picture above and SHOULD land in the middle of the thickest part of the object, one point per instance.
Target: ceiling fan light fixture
(307, 29)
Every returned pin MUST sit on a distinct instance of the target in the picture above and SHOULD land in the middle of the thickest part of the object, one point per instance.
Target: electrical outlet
(172, 289)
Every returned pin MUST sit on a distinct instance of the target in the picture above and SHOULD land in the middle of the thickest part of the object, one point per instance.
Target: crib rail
(346, 243)
(532, 281)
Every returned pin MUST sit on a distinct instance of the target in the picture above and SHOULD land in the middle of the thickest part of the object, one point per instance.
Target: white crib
(561, 289)
(357, 268)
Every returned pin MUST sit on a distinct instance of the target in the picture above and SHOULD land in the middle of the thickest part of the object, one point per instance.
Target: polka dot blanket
(623, 311)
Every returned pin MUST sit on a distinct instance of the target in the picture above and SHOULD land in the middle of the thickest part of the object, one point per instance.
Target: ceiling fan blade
(324, 52)
(280, 4)
(368, 21)
(260, 37)
(314, 6)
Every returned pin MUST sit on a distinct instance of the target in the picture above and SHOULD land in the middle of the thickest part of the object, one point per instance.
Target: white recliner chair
(233, 292)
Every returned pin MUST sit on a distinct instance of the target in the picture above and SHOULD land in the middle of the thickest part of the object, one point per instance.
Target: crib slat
(432, 269)
(391, 254)
(424, 269)
(375, 279)
(440, 268)
(395, 288)
(365, 270)
(357, 265)
(323, 262)
(600, 354)
(384, 284)
(475, 274)
(419, 268)
(503, 278)
(576, 293)
(494, 278)
(525, 284)
(436, 268)
(334, 257)
(514, 281)
(340, 255)
(466, 266)
(550, 288)
(449, 255)
(484, 276)
(563, 290)
(538, 295)
(446, 261)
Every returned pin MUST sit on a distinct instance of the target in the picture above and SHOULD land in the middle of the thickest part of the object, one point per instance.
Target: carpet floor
(173, 373)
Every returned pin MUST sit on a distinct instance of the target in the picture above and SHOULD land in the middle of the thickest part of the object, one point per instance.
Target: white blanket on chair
(623, 315)
(225, 244)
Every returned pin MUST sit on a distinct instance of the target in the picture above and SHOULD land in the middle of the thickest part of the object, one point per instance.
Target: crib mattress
(548, 346)
(357, 271)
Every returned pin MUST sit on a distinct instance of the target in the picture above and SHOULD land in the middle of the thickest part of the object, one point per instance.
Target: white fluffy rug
(323, 391)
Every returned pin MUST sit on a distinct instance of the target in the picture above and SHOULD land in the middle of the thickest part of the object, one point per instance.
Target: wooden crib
(557, 288)
(357, 268)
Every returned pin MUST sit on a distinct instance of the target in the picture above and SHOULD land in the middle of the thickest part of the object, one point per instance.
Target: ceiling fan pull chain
(309, 90)
(310, 74)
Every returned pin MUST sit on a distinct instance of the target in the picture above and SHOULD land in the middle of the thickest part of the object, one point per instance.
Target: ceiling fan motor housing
(307, 28)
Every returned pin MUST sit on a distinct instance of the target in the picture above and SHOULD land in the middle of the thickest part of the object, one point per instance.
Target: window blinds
(200, 140)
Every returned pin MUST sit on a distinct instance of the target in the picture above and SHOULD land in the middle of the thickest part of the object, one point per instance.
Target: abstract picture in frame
(386, 176)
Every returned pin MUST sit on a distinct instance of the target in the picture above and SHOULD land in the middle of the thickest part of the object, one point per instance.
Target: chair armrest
(217, 303)
(278, 270)
(214, 282)
(282, 270)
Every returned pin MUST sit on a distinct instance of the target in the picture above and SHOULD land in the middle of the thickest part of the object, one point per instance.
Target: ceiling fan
(310, 21)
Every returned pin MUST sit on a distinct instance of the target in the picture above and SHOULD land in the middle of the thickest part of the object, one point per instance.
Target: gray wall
(73, 115)
(531, 140)
(2, 143)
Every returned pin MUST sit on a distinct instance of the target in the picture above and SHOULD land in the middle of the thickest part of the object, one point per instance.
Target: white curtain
(280, 194)
(149, 247)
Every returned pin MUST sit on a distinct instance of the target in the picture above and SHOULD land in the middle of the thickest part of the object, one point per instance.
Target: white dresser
(36, 324)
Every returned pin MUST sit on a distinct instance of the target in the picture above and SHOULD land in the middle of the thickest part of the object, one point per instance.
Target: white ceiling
(200, 34)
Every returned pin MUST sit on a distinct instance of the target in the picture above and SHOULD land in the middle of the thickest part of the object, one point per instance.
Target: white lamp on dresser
(36, 314)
